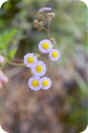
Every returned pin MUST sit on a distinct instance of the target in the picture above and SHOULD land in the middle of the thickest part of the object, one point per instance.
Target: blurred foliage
(69, 27)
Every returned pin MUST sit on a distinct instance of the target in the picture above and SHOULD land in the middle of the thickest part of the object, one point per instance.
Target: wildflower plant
(38, 68)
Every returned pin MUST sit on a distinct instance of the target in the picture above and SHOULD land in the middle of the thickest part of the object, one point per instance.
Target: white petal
(2, 2)
(86, 130)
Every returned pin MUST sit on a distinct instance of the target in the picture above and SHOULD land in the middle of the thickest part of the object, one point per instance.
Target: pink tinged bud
(45, 9)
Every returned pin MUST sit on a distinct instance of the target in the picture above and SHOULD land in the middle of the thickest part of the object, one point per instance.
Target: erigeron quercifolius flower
(34, 83)
(45, 46)
(2, 59)
(2, 2)
(55, 55)
(46, 83)
(30, 59)
(39, 68)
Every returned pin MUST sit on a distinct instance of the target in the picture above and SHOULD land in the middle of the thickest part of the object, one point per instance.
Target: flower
(34, 83)
(30, 59)
(45, 46)
(39, 68)
(54, 55)
(2, 59)
(45, 83)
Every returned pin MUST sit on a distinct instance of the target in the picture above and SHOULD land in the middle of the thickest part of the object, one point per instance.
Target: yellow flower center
(35, 83)
(39, 68)
(45, 83)
(55, 54)
(30, 60)
(45, 45)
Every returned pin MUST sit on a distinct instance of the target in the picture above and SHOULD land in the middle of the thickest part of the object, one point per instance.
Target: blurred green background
(70, 30)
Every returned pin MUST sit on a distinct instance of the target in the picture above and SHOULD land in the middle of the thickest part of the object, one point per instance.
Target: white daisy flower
(54, 55)
(30, 59)
(46, 83)
(34, 83)
(39, 68)
(45, 46)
